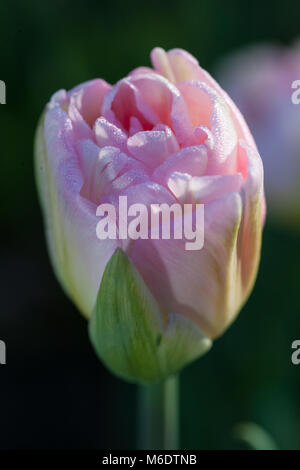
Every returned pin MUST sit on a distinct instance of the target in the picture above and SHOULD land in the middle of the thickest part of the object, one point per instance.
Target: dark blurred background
(54, 393)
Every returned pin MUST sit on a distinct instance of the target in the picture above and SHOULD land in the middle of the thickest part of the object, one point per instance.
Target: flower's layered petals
(107, 134)
(185, 67)
(204, 189)
(202, 285)
(191, 160)
(152, 100)
(112, 172)
(223, 157)
(207, 108)
(78, 258)
(167, 103)
(152, 147)
(125, 101)
(88, 99)
(250, 234)
(106, 170)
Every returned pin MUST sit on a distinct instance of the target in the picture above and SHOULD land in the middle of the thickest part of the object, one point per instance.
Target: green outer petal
(128, 332)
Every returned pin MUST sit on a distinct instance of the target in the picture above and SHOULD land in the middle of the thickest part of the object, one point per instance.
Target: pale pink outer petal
(78, 257)
(198, 284)
(250, 236)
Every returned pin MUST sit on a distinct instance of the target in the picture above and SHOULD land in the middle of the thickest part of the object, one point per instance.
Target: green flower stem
(158, 424)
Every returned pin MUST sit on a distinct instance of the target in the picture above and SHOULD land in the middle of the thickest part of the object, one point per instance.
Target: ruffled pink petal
(167, 103)
(152, 147)
(113, 172)
(107, 134)
(185, 67)
(88, 98)
(125, 101)
(191, 160)
(208, 109)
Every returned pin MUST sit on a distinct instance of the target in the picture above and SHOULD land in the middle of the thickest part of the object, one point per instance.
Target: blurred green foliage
(54, 379)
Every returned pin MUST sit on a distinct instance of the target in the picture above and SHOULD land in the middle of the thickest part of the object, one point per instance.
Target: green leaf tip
(129, 332)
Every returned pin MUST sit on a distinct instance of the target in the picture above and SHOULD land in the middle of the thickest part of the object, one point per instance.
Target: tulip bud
(155, 293)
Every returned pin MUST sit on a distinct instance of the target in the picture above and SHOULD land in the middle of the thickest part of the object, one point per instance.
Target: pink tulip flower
(167, 134)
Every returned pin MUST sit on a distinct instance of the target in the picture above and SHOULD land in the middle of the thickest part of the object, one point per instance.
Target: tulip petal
(107, 134)
(78, 257)
(209, 109)
(167, 103)
(88, 98)
(152, 147)
(250, 236)
(112, 171)
(200, 285)
(191, 160)
(125, 101)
